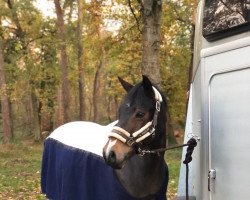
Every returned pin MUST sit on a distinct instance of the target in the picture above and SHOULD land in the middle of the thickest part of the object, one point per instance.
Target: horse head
(140, 126)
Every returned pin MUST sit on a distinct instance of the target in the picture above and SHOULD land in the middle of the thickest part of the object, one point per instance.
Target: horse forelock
(137, 96)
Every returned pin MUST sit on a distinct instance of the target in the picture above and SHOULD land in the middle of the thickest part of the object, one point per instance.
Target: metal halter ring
(191, 135)
(130, 141)
(158, 106)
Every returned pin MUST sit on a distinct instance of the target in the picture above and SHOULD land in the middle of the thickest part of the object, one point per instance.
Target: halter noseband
(147, 130)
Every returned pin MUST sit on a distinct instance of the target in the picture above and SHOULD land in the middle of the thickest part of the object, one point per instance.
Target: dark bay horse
(142, 113)
(73, 169)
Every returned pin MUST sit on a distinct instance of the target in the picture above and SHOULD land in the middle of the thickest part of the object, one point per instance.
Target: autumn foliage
(64, 66)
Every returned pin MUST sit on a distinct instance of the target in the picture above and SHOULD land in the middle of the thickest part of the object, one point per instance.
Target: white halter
(144, 132)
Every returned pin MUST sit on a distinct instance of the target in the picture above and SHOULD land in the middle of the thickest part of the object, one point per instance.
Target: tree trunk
(32, 116)
(80, 63)
(5, 103)
(19, 31)
(32, 122)
(151, 15)
(63, 62)
(58, 118)
(97, 91)
(98, 86)
(46, 124)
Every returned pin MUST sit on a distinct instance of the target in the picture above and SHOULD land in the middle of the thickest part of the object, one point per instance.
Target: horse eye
(139, 115)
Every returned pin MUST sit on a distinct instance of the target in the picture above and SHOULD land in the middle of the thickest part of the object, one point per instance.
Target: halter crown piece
(147, 130)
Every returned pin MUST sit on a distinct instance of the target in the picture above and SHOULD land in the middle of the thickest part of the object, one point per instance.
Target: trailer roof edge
(236, 44)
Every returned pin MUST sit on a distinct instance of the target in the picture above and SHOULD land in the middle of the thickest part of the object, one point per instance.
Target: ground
(20, 171)
(173, 159)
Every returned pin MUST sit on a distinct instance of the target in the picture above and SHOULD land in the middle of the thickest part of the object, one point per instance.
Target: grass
(173, 159)
(20, 171)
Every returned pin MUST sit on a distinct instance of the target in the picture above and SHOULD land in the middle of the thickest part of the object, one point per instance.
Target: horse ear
(127, 86)
(147, 85)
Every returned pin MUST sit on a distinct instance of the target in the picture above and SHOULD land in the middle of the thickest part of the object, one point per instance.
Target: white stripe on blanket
(88, 136)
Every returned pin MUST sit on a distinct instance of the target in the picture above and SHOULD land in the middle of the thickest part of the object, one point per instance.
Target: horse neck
(144, 175)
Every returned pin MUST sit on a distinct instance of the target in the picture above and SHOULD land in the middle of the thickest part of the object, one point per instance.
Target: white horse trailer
(219, 103)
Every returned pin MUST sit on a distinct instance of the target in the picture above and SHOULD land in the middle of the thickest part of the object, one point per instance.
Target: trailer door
(229, 134)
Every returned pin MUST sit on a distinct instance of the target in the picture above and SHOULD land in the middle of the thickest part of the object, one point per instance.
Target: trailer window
(224, 18)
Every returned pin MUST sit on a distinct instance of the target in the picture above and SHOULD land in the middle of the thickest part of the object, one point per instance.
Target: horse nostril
(111, 158)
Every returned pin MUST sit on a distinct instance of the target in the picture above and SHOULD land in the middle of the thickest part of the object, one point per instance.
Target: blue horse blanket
(73, 168)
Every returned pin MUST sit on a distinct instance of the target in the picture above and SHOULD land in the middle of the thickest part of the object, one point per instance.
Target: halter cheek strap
(144, 132)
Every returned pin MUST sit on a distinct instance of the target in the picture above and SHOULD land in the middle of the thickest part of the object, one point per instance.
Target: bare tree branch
(15, 19)
(136, 19)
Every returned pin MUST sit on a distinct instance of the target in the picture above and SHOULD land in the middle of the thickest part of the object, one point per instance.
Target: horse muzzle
(115, 153)
(110, 159)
